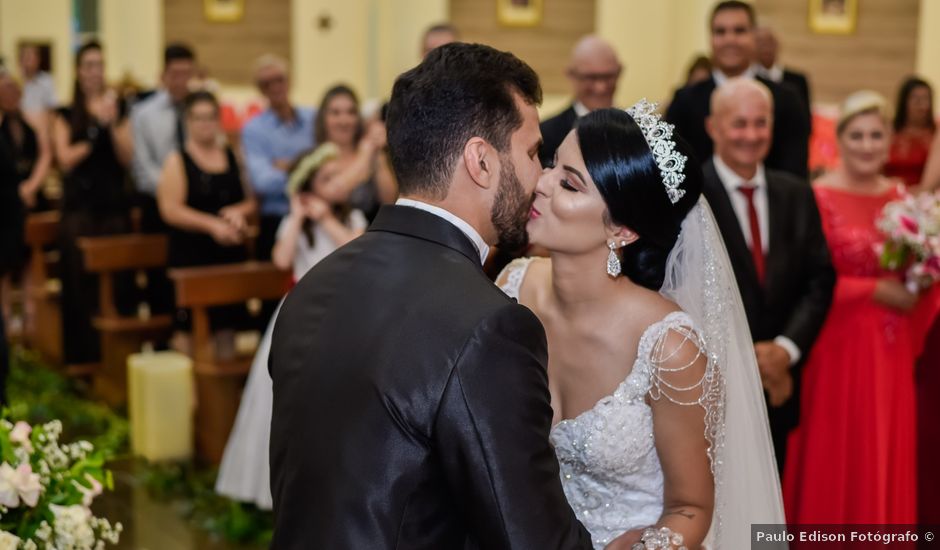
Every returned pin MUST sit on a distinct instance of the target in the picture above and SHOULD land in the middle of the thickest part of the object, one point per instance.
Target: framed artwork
(223, 11)
(519, 13)
(833, 16)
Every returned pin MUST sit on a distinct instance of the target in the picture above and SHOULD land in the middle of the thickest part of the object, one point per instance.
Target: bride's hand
(626, 540)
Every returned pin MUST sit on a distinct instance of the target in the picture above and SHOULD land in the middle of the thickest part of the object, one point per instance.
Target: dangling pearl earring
(613, 262)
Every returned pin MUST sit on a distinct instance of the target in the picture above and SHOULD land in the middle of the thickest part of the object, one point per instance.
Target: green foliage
(38, 395)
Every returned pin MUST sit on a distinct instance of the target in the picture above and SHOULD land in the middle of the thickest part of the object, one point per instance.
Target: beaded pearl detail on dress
(610, 471)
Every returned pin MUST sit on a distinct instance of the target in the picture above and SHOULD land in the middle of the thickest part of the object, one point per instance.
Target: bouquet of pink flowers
(911, 226)
(46, 491)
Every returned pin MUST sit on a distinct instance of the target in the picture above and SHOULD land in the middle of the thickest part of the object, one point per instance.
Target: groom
(411, 406)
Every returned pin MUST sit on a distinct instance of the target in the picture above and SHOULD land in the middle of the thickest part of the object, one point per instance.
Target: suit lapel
(777, 227)
(729, 225)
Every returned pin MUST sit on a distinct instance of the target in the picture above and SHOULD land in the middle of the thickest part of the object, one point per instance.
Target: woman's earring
(613, 262)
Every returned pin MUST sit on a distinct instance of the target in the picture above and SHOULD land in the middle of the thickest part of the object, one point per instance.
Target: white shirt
(154, 125)
(459, 223)
(721, 78)
(580, 109)
(774, 73)
(732, 182)
(39, 94)
(306, 256)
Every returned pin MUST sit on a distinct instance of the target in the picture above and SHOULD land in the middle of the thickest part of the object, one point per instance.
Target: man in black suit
(411, 405)
(593, 71)
(733, 51)
(768, 50)
(772, 230)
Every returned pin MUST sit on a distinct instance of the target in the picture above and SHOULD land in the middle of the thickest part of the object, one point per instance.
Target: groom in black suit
(411, 405)
(772, 230)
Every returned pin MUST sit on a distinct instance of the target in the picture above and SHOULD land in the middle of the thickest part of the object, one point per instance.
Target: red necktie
(757, 249)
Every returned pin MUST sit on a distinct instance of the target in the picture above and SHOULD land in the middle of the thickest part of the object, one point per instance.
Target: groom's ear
(480, 160)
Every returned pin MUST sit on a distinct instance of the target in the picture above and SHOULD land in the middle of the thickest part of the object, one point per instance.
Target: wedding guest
(769, 67)
(733, 49)
(914, 128)
(699, 70)
(930, 181)
(92, 146)
(39, 95)
(159, 130)
(12, 216)
(202, 196)
(271, 142)
(320, 221)
(852, 459)
(438, 35)
(771, 228)
(27, 139)
(593, 72)
(365, 173)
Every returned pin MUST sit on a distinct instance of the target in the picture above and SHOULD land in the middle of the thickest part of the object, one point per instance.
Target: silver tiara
(658, 135)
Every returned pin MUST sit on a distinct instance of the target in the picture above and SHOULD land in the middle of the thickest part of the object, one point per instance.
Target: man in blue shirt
(272, 141)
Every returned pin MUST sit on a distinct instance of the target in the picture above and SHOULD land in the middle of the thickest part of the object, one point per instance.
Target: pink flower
(20, 434)
(909, 224)
(89, 494)
(17, 484)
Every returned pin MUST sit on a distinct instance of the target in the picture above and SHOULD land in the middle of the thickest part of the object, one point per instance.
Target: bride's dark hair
(625, 172)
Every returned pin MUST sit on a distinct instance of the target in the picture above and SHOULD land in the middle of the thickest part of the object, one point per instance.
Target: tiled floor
(150, 524)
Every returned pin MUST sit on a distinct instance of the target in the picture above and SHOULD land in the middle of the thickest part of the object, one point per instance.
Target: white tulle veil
(700, 279)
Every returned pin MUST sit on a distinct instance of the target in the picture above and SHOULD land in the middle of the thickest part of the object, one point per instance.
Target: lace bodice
(610, 471)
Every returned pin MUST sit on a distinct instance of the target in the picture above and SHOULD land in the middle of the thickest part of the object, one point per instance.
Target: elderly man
(438, 35)
(773, 233)
(157, 125)
(733, 45)
(272, 141)
(769, 67)
(593, 71)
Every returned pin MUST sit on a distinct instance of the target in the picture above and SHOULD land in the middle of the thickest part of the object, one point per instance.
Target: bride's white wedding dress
(610, 471)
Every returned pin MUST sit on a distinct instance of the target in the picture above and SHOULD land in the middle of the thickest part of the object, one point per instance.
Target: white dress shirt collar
(721, 78)
(774, 73)
(732, 180)
(459, 223)
(580, 109)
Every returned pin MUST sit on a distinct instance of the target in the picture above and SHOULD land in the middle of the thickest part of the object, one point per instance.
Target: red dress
(908, 156)
(853, 457)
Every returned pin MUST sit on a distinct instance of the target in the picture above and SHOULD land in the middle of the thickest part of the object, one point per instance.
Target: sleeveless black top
(98, 183)
(207, 192)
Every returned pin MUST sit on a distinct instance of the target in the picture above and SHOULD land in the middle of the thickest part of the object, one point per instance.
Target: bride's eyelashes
(567, 186)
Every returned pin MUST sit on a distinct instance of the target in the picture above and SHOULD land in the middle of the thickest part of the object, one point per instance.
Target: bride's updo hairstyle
(625, 172)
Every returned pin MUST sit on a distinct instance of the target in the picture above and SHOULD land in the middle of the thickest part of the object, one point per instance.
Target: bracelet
(663, 538)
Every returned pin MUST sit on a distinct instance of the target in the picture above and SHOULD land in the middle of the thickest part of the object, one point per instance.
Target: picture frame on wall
(519, 13)
(833, 16)
(223, 11)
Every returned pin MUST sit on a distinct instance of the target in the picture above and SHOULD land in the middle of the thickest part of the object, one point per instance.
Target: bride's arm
(679, 434)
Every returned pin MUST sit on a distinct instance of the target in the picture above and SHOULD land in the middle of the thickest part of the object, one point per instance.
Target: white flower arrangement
(46, 491)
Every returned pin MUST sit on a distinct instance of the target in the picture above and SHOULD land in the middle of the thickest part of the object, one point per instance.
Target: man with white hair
(593, 71)
(272, 141)
(772, 230)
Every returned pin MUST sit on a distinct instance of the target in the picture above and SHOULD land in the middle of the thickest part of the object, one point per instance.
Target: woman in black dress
(201, 195)
(92, 145)
(27, 138)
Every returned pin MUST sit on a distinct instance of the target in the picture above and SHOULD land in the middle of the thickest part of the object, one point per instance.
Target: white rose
(8, 541)
(27, 484)
(9, 496)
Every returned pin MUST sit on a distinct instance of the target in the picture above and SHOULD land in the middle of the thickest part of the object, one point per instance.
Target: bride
(659, 421)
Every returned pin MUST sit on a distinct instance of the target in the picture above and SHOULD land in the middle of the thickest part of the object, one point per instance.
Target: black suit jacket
(411, 405)
(554, 131)
(799, 277)
(789, 151)
(798, 82)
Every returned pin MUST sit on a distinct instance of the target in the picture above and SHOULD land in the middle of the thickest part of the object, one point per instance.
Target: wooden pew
(121, 335)
(43, 332)
(220, 381)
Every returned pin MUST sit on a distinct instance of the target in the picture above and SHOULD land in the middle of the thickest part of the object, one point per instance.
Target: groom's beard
(511, 207)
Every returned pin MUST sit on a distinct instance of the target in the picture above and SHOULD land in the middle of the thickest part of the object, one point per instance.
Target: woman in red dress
(852, 459)
(914, 128)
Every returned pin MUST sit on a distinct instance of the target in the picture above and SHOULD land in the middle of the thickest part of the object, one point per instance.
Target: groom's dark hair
(458, 92)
